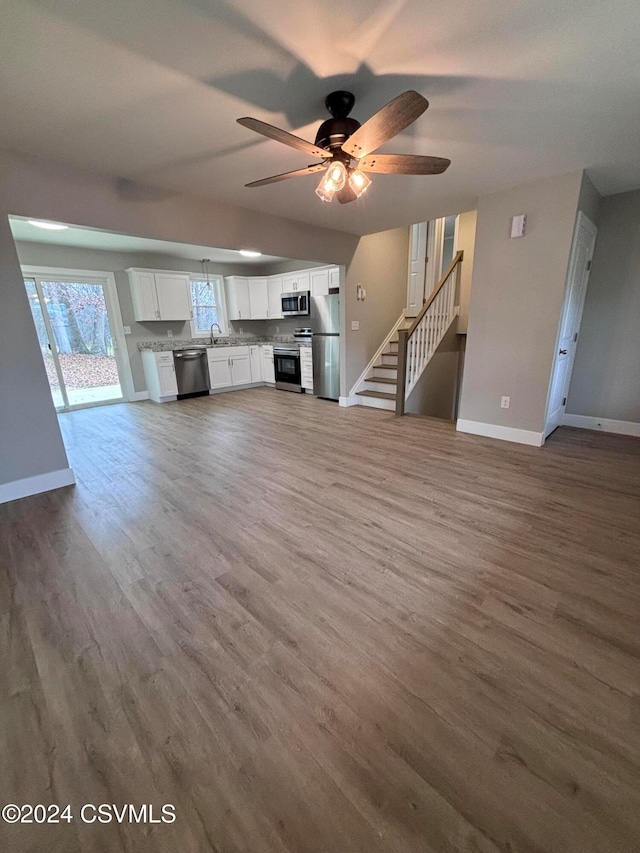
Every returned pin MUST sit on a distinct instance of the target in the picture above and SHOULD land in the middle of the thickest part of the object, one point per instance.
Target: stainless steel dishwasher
(192, 371)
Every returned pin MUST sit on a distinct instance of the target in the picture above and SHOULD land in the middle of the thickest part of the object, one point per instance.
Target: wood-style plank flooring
(321, 629)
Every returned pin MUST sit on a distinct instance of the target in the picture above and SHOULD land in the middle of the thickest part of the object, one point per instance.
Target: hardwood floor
(321, 629)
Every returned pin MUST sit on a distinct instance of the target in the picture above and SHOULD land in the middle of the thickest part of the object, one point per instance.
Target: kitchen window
(207, 303)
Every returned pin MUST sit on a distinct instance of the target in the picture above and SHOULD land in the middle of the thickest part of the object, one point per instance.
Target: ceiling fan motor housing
(333, 132)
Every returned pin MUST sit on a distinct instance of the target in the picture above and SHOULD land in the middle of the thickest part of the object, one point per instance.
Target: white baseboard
(520, 436)
(228, 388)
(35, 485)
(601, 424)
(351, 400)
(138, 395)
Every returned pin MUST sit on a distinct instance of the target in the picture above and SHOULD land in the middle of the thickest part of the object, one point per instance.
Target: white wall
(466, 241)
(518, 291)
(606, 376)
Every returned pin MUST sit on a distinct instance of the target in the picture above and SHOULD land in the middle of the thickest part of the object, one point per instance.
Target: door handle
(563, 352)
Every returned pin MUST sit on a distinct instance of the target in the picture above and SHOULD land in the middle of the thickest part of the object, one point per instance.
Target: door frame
(582, 221)
(108, 282)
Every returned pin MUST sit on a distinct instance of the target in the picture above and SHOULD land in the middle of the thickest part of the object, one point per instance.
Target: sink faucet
(218, 328)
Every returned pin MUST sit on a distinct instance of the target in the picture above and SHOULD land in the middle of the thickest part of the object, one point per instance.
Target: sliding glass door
(76, 340)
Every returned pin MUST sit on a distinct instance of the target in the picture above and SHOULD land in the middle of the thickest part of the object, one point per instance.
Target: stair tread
(382, 394)
(386, 379)
(385, 367)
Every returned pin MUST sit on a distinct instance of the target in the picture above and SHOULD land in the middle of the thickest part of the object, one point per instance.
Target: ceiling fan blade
(284, 137)
(316, 167)
(386, 123)
(404, 164)
(346, 194)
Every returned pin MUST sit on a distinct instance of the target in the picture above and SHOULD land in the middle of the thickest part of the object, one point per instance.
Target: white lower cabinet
(160, 375)
(229, 366)
(306, 368)
(219, 369)
(268, 368)
(255, 360)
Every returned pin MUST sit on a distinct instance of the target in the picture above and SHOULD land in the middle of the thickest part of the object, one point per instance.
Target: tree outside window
(206, 306)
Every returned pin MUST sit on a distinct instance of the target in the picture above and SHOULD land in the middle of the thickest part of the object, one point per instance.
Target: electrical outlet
(277, 330)
(355, 325)
(505, 403)
(169, 333)
(127, 330)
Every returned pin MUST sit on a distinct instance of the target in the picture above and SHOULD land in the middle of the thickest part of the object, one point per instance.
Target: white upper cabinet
(159, 295)
(174, 298)
(319, 282)
(334, 277)
(259, 298)
(274, 288)
(238, 302)
(296, 281)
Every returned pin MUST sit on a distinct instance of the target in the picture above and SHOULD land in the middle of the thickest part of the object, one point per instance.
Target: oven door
(287, 369)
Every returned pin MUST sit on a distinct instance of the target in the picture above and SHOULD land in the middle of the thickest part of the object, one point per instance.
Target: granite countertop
(171, 344)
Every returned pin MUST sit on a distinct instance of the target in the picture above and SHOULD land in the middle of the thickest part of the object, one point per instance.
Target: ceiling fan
(346, 147)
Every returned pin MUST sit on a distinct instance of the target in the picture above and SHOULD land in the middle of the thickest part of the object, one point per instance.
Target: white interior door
(584, 239)
(417, 268)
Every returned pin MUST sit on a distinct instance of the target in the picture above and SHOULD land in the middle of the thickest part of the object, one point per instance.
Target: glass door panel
(82, 334)
(51, 366)
(78, 348)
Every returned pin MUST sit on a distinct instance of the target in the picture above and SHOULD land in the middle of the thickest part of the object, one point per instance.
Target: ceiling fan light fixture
(359, 182)
(336, 176)
(324, 190)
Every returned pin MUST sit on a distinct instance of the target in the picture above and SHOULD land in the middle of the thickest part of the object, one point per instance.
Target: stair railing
(418, 343)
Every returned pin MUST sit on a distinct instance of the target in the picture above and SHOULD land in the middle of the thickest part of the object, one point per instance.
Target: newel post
(403, 337)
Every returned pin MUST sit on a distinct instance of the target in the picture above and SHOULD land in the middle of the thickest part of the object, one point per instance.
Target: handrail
(414, 355)
(458, 257)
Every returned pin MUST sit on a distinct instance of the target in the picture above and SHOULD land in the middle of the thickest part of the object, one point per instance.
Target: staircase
(381, 384)
(409, 347)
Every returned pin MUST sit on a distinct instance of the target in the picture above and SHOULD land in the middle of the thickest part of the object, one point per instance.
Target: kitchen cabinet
(229, 366)
(255, 360)
(238, 301)
(274, 291)
(268, 368)
(306, 368)
(292, 282)
(241, 368)
(258, 298)
(319, 282)
(160, 375)
(219, 368)
(160, 295)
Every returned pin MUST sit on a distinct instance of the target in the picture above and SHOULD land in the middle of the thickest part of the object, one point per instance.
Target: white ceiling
(91, 238)
(150, 90)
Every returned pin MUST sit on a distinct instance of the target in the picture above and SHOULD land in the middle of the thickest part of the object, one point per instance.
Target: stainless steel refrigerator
(325, 346)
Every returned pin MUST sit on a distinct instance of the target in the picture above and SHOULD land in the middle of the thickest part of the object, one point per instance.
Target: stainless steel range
(286, 363)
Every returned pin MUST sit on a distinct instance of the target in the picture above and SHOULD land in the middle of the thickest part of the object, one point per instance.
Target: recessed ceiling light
(248, 253)
(48, 226)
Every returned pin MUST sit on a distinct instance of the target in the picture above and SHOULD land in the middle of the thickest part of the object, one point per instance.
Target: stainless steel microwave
(294, 304)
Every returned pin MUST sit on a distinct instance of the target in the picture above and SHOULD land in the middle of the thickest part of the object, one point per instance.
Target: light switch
(127, 330)
(518, 224)
(355, 325)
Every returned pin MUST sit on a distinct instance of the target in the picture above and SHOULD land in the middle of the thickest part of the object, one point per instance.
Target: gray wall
(30, 441)
(606, 376)
(29, 434)
(380, 265)
(518, 291)
(435, 393)
(466, 241)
